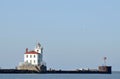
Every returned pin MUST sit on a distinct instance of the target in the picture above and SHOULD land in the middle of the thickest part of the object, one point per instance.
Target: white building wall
(31, 58)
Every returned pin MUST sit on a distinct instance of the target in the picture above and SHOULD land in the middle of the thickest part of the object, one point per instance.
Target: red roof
(31, 52)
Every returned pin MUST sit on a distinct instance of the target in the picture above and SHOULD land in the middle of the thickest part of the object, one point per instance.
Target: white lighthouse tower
(39, 49)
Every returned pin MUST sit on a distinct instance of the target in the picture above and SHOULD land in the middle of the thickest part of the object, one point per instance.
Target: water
(60, 76)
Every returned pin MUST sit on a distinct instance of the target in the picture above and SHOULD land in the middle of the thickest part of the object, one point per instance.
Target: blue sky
(74, 33)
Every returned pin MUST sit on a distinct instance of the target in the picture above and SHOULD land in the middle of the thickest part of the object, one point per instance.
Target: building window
(27, 61)
(30, 56)
(34, 56)
(26, 56)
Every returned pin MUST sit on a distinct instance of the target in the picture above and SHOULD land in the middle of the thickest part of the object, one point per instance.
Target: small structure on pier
(105, 68)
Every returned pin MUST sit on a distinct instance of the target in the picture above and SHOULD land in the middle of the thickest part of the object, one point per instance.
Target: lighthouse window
(26, 56)
(27, 61)
(30, 56)
(34, 56)
(34, 61)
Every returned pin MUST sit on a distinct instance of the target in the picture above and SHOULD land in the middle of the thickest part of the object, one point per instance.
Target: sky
(74, 33)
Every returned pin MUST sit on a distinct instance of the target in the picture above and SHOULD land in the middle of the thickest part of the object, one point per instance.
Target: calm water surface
(60, 76)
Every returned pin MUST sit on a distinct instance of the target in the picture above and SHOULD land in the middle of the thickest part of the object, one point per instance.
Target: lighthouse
(33, 60)
(35, 56)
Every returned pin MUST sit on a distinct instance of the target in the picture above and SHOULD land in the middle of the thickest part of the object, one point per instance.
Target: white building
(35, 56)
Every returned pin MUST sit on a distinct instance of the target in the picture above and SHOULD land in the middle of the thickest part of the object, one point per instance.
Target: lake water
(60, 76)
